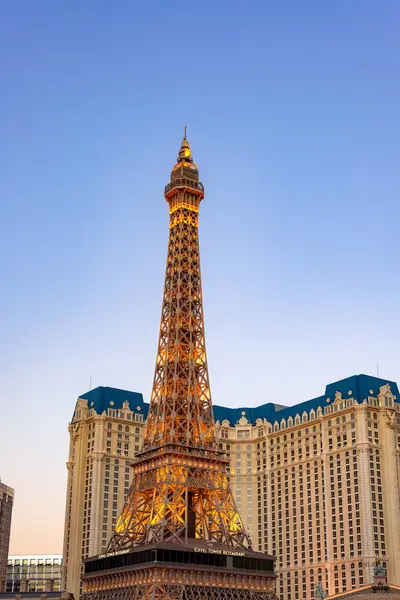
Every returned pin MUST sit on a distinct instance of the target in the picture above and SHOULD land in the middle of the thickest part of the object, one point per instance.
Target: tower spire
(185, 153)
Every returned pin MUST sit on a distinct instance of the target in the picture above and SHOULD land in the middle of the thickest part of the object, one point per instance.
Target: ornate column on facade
(73, 558)
(364, 483)
(97, 483)
(390, 483)
(328, 540)
(269, 496)
(70, 467)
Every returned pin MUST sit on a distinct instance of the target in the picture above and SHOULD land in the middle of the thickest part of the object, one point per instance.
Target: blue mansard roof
(358, 387)
(102, 398)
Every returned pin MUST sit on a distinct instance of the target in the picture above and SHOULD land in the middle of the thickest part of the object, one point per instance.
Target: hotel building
(317, 484)
(6, 505)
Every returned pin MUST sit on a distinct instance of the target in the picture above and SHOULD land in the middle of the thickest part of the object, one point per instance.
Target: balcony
(183, 182)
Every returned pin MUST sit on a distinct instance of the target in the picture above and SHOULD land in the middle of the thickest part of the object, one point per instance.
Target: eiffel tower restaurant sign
(195, 549)
(226, 552)
(180, 535)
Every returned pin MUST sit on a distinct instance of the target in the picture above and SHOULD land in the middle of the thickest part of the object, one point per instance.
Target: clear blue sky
(293, 117)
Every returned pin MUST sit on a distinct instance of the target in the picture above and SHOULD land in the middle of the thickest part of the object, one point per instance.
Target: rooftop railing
(183, 182)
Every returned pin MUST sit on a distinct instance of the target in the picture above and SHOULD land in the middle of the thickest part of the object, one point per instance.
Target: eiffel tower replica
(180, 536)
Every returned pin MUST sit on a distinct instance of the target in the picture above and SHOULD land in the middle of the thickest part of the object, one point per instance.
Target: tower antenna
(184, 137)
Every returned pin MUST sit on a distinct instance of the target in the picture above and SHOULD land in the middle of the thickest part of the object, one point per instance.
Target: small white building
(34, 573)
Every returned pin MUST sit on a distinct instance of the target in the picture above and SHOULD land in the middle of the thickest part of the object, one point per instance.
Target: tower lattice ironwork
(180, 499)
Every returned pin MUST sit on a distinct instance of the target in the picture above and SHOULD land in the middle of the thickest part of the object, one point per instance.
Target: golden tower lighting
(180, 536)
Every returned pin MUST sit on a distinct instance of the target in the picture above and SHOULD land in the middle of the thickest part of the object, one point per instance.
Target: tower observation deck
(180, 536)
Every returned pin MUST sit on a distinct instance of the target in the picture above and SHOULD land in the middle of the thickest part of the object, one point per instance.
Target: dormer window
(388, 401)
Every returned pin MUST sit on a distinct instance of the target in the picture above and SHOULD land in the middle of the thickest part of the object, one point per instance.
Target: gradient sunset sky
(292, 110)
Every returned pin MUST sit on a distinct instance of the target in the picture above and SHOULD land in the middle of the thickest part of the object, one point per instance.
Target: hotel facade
(6, 506)
(317, 484)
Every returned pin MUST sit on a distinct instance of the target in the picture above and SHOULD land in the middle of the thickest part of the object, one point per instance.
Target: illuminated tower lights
(180, 535)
